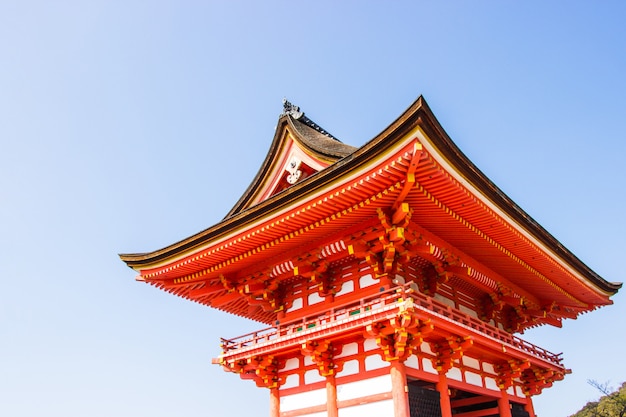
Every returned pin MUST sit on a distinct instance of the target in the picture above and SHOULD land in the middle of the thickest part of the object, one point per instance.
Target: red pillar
(529, 406)
(274, 402)
(444, 395)
(399, 389)
(504, 405)
(331, 396)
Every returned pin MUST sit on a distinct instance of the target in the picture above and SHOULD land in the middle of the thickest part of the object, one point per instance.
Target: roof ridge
(295, 112)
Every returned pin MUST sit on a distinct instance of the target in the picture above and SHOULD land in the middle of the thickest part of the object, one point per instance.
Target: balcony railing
(379, 303)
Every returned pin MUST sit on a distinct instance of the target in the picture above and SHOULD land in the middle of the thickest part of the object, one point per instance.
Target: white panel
(490, 383)
(487, 367)
(468, 311)
(377, 306)
(342, 316)
(425, 347)
(349, 368)
(320, 414)
(291, 381)
(474, 379)
(349, 349)
(369, 344)
(292, 363)
(308, 361)
(375, 362)
(510, 390)
(471, 362)
(315, 298)
(346, 287)
(519, 391)
(427, 366)
(296, 305)
(412, 362)
(313, 375)
(455, 373)
(366, 281)
(399, 280)
(379, 409)
(444, 300)
(378, 385)
(303, 400)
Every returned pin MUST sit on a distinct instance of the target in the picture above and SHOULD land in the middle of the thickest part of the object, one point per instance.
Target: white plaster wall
(366, 281)
(375, 362)
(468, 311)
(490, 383)
(315, 298)
(312, 375)
(303, 400)
(296, 305)
(412, 362)
(487, 367)
(292, 363)
(378, 409)
(349, 368)
(425, 347)
(346, 288)
(349, 349)
(369, 344)
(427, 366)
(454, 373)
(320, 414)
(291, 381)
(444, 300)
(357, 389)
(473, 378)
(471, 362)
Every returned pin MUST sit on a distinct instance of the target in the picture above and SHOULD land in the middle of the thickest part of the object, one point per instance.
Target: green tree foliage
(611, 404)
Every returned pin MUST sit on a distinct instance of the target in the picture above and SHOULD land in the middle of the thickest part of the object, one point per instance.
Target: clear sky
(128, 125)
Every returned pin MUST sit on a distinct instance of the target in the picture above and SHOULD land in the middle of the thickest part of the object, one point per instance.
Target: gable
(300, 149)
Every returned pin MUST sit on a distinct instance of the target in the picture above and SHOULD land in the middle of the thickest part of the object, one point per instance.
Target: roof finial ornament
(291, 109)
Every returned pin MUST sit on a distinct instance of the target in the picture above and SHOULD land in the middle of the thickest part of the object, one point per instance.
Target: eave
(458, 199)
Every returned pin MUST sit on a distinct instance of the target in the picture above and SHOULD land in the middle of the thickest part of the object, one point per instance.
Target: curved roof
(294, 129)
(413, 160)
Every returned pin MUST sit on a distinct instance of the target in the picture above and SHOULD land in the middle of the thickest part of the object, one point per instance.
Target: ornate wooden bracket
(362, 250)
(488, 306)
(449, 350)
(536, 379)
(317, 273)
(393, 238)
(322, 353)
(402, 335)
(259, 290)
(510, 370)
(263, 370)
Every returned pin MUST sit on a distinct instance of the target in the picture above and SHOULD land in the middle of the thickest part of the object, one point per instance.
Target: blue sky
(128, 125)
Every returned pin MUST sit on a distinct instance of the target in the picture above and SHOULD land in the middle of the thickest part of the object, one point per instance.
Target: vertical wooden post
(274, 402)
(399, 389)
(331, 396)
(444, 395)
(529, 407)
(504, 406)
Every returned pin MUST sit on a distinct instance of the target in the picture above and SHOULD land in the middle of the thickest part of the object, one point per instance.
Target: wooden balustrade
(353, 310)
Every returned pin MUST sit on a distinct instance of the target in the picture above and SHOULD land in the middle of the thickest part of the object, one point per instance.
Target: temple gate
(392, 279)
